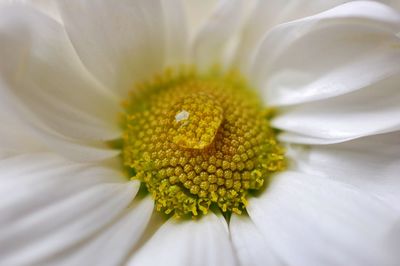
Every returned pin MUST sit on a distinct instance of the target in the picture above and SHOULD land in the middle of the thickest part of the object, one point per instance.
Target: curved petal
(369, 111)
(249, 244)
(40, 68)
(267, 14)
(203, 242)
(312, 220)
(335, 52)
(21, 122)
(52, 204)
(121, 42)
(112, 245)
(370, 163)
(214, 36)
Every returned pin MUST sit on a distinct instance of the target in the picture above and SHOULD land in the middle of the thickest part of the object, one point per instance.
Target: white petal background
(333, 77)
(310, 220)
(202, 242)
(52, 204)
(54, 88)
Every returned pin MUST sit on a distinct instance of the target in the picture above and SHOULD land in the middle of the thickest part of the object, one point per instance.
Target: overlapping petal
(122, 42)
(113, 244)
(312, 220)
(41, 69)
(370, 163)
(372, 110)
(48, 92)
(267, 14)
(53, 204)
(200, 242)
(210, 46)
(335, 52)
(250, 245)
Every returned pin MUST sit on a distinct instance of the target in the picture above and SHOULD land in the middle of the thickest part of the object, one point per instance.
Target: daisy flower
(168, 132)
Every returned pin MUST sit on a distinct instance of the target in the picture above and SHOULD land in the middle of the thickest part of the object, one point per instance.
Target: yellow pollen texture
(198, 141)
(197, 120)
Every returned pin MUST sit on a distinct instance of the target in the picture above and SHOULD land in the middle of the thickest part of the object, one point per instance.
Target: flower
(330, 71)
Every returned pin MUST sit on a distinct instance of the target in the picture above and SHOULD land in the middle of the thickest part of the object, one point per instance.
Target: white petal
(120, 42)
(197, 12)
(332, 53)
(50, 204)
(40, 137)
(14, 141)
(267, 14)
(202, 242)
(249, 244)
(370, 163)
(113, 244)
(215, 34)
(394, 240)
(312, 220)
(291, 137)
(369, 111)
(393, 3)
(13, 138)
(176, 32)
(46, 6)
(41, 69)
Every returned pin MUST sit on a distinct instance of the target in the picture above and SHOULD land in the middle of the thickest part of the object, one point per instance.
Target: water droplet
(196, 121)
(183, 115)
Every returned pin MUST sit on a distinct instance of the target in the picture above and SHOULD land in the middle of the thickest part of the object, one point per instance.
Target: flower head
(197, 140)
(140, 132)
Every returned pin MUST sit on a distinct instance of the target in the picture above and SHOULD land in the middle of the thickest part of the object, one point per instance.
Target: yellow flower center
(198, 141)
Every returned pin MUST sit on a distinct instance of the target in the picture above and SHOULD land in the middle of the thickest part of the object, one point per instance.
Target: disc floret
(199, 140)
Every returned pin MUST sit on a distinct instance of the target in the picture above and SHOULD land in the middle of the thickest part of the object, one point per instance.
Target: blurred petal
(249, 244)
(13, 141)
(53, 204)
(13, 138)
(201, 242)
(312, 220)
(371, 164)
(46, 6)
(22, 123)
(40, 68)
(369, 111)
(176, 32)
(120, 42)
(213, 37)
(393, 3)
(197, 12)
(112, 245)
(333, 53)
(45, 91)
